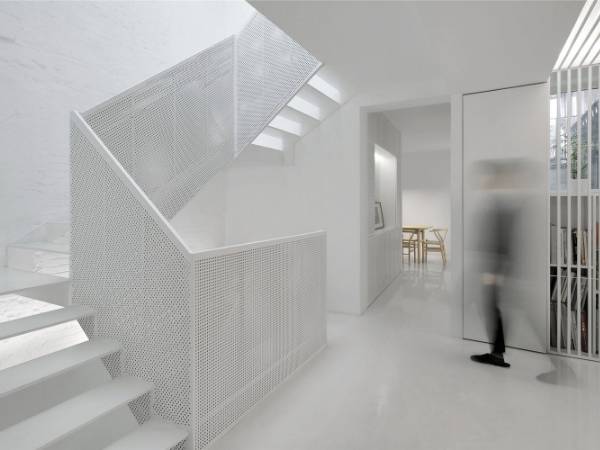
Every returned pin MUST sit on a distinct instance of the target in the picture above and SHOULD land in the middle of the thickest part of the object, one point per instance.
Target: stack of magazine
(566, 286)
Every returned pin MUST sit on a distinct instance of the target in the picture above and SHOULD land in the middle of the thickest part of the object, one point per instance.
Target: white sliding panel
(503, 124)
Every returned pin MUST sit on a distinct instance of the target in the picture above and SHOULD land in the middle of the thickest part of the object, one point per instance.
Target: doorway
(425, 185)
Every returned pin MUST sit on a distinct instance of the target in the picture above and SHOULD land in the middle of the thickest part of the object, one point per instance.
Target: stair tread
(287, 126)
(300, 105)
(153, 435)
(31, 372)
(12, 280)
(28, 324)
(271, 138)
(45, 246)
(50, 426)
(317, 92)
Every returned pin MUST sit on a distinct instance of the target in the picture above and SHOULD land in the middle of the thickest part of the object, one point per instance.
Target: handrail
(129, 182)
(238, 248)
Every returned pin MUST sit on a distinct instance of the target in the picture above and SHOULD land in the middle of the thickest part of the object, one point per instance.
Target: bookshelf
(574, 205)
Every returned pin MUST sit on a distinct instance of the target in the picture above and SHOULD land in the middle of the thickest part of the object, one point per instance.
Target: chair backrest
(440, 234)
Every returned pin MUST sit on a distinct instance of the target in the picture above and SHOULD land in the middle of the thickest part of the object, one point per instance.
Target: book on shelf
(578, 289)
(561, 237)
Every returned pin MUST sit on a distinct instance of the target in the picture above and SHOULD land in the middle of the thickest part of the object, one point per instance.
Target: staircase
(318, 99)
(45, 251)
(37, 264)
(73, 398)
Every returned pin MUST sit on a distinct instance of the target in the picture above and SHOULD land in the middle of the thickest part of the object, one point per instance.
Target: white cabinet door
(508, 123)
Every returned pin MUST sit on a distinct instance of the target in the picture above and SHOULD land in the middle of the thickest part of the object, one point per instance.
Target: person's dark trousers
(498, 346)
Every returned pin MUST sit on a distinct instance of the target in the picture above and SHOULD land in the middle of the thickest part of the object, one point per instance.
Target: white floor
(396, 378)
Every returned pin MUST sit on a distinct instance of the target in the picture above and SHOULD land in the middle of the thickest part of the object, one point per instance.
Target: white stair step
(54, 424)
(290, 126)
(153, 435)
(324, 104)
(31, 372)
(302, 105)
(36, 259)
(12, 280)
(44, 320)
(308, 123)
(52, 247)
(274, 139)
(325, 87)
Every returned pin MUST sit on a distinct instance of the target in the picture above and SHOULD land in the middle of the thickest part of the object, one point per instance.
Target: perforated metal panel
(271, 67)
(215, 331)
(260, 314)
(125, 267)
(173, 132)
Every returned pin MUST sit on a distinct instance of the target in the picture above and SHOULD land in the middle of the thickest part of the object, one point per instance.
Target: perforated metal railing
(272, 67)
(216, 330)
(175, 131)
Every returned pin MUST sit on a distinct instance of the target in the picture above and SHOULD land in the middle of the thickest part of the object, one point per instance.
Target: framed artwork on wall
(379, 223)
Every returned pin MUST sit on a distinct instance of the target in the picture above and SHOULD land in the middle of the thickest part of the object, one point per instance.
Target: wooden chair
(437, 244)
(409, 243)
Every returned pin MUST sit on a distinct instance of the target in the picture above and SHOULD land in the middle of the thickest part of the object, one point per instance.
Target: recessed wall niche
(386, 184)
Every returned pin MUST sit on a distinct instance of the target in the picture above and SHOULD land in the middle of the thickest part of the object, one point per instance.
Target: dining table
(419, 231)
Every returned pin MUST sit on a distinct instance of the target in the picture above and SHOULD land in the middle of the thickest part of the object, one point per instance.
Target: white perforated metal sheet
(214, 331)
(173, 132)
(271, 68)
(125, 267)
(260, 314)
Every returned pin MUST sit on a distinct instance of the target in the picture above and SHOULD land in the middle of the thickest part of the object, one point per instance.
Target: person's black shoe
(488, 358)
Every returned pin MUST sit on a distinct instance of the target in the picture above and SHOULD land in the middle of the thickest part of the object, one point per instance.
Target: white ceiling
(463, 46)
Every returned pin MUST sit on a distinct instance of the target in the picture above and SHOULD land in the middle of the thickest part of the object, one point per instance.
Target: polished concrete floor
(398, 378)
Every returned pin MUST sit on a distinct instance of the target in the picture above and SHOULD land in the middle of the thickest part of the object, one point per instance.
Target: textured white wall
(60, 56)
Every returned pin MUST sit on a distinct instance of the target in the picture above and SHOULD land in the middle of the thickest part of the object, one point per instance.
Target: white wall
(384, 248)
(426, 195)
(425, 165)
(60, 56)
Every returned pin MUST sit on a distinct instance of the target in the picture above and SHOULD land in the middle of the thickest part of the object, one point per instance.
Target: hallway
(395, 378)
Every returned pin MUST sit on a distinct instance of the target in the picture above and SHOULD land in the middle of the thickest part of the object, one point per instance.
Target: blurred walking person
(497, 224)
